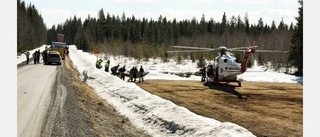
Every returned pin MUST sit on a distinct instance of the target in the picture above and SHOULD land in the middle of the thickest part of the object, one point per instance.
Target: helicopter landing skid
(211, 81)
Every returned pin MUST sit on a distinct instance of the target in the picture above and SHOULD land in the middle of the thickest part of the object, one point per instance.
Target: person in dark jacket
(34, 57)
(121, 71)
(210, 71)
(27, 55)
(135, 73)
(114, 70)
(38, 55)
(141, 74)
(203, 74)
(45, 56)
(131, 74)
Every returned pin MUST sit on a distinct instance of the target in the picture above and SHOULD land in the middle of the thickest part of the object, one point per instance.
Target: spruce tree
(223, 24)
(296, 51)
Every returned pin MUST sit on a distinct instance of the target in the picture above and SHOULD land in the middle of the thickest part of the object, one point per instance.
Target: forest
(151, 38)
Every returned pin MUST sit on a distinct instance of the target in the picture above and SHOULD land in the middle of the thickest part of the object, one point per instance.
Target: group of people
(134, 73)
(106, 65)
(36, 56)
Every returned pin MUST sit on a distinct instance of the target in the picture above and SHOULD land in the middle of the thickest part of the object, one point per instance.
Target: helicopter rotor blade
(179, 51)
(186, 47)
(271, 51)
(238, 48)
(231, 54)
(256, 50)
(203, 49)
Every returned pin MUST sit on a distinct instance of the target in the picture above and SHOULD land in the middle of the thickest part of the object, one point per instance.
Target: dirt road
(266, 109)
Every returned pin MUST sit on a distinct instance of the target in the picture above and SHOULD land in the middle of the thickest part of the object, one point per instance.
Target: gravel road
(53, 101)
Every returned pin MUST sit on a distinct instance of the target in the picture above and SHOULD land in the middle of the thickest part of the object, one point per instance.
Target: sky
(150, 112)
(57, 11)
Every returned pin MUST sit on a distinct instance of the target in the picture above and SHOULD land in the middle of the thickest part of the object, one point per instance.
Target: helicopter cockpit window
(225, 60)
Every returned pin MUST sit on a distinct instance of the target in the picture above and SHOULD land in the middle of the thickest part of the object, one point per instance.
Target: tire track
(56, 109)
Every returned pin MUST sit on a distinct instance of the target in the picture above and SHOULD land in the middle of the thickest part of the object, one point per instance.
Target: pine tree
(296, 52)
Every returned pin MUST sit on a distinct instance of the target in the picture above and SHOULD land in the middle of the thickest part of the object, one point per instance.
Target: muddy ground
(264, 108)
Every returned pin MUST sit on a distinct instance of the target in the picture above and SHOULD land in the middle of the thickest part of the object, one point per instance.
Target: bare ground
(266, 109)
(102, 117)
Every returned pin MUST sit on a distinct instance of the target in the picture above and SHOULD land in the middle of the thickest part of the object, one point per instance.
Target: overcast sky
(57, 11)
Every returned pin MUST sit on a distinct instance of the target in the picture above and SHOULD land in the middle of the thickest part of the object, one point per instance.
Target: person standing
(34, 57)
(67, 50)
(38, 56)
(210, 71)
(106, 66)
(44, 56)
(141, 73)
(135, 73)
(27, 55)
(203, 74)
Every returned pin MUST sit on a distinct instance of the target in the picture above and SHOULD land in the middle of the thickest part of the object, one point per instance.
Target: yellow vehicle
(61, 47)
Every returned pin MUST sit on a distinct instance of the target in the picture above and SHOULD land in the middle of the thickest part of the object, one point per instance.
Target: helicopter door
(216, 73)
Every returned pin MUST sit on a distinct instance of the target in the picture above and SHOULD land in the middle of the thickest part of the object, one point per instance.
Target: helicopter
(225, 68)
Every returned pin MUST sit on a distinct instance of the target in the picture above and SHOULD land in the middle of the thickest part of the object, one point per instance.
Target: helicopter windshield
(227, 59)
(231, 57)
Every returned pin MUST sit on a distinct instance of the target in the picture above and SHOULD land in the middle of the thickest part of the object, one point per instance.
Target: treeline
(150, 38)
(145, 38)
(31, 30)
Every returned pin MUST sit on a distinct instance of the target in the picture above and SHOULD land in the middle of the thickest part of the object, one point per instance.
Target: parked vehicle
(54, 57)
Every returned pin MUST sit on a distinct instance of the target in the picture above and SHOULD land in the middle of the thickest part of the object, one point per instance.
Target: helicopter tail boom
(247, 52)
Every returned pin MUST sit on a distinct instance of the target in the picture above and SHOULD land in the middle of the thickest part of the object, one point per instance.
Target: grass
(267, 109)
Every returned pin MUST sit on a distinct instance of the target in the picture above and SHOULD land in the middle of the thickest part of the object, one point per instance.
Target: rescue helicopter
(225, 68)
